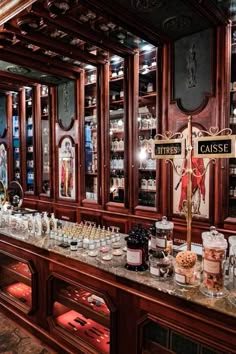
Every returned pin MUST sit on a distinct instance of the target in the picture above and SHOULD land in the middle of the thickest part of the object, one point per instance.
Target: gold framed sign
(222, 146)
(169, 149)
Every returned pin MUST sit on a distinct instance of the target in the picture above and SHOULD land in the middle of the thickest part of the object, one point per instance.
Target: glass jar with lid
(137, 249)
(164, 235)
(161, 265)
(213, 263)
(187, 269)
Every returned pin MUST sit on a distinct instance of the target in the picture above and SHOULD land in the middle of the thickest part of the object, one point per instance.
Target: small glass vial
(73, 246)
(213, 262)
(164, 235)
(161, 265)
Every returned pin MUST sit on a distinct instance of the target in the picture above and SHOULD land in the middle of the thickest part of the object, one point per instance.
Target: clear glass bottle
(187, 270)
(161, 265)
(164, 235)
(213, 263)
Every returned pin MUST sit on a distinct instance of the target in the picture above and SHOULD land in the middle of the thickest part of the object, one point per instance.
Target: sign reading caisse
(215, 146)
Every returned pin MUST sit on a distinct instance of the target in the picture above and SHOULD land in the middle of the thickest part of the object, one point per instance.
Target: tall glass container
(214, 256)
(164, 235)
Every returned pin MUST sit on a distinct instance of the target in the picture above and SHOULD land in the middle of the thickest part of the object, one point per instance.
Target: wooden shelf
(148, 95)
(147, 190)
(9, 273)
(84, 310)
(114, 79)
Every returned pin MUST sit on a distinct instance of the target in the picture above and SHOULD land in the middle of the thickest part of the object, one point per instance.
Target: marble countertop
(226, 305)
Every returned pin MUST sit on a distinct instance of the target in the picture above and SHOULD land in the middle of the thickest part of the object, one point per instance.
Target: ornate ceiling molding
(10, 8)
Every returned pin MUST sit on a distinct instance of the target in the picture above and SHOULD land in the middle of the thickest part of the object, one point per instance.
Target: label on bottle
(213, 267)
(30, 225)
(153, 242)
(180, 278)
(155, 271)
(44, 226)
(161, 242)
(134, 257)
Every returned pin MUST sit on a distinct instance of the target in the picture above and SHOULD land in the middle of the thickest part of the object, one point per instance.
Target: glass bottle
(137, 249)
(213, 262)
(187, 270)
(161, 265)
(164, 235)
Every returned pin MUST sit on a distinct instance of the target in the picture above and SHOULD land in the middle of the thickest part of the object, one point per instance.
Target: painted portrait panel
(200, 184)
(66, 173)
(3, 165)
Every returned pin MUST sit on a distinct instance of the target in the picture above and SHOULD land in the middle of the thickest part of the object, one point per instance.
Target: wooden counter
(143, 315)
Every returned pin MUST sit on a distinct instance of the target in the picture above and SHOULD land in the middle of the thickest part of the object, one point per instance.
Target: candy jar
(161, 265)
(137, 249)
(164, 235)
(213, 262)
(187, 270)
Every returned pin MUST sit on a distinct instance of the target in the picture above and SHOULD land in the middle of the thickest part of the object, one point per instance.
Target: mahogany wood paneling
(88, 215)
(115, 221)
(66, 214)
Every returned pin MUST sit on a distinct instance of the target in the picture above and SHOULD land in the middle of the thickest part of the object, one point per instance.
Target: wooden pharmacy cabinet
(98, 87)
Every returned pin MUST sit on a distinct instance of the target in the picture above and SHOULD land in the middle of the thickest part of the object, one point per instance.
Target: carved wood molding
(9, 9)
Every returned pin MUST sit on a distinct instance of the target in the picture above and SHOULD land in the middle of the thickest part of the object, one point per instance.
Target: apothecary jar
(213, 263)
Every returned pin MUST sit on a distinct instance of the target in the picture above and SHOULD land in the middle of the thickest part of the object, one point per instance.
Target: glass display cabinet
(90, 127)
(16, 137)
(84, 314)
(232, 122)
(158, 338)
(117, 130)
(16, 282)
(29, 115)
(45, 140)
(147, 126)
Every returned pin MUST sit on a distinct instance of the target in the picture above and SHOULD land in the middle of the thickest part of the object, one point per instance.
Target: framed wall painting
(3, 165)
(3, 116)
(66, 166)
(66, 104)
(200, 184)
(193, 71)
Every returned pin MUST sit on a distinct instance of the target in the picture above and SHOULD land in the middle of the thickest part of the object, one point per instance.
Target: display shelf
(117, 123)
(16, 137)
(86, 303)
(90, 134)
(20, 291)
(83, 328)
(147, 127)
(29, 110)
(16, 280)
(83, 312)
(45, 141)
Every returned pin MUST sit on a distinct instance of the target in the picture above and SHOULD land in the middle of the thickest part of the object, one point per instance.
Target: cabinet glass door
(232, 122)
(16, 282)
(117, 124)
(91, 151)
(147, 126)
(45, 131)
(16, 137)
(29, 140)
(83, 313)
